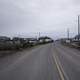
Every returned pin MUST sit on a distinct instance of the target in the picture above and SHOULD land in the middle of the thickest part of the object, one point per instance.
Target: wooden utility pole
(78, 26)
(39, 34)
(68, 33)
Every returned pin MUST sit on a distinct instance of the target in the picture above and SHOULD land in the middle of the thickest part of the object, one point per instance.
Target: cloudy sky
(50, 17)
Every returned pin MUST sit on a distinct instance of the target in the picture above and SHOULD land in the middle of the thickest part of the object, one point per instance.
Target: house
(32, 41)
(77, 38)
(4, 38)
(5, 43)
(66, 40)
(18, 40)
(45, 39)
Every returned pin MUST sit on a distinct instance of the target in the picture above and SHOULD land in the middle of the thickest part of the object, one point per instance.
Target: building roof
(45, 37)
(4, 38)
(77, 36)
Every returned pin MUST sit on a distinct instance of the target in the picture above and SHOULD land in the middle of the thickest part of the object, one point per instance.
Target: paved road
(45, 62)
(70, 61)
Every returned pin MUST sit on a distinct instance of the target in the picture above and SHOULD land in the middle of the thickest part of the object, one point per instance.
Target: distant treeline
(6, 43)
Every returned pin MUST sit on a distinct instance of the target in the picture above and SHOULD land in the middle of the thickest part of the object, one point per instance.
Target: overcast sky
(50, 17)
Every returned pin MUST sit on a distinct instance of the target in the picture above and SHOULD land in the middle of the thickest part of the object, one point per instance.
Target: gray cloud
(22, 16)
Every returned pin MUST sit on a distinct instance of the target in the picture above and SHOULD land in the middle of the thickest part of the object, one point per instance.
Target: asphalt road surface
(44, 62)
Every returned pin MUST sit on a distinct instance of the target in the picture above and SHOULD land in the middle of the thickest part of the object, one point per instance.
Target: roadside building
(4, 38)
(45, 39)
(32, 41)
(5, 43)
(77, 38)
(18, 40)
(66, 40)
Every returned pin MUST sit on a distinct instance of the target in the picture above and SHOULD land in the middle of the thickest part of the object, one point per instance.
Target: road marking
(58, 68)
(64, 73)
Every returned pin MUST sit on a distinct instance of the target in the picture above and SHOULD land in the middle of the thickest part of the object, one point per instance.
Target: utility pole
(68, 33)
(39, 34)
(78, 25)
